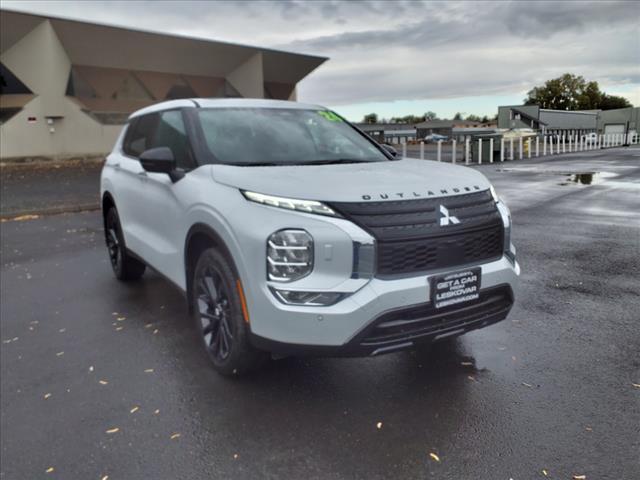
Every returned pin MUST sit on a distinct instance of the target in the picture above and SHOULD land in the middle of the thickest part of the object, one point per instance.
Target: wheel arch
(107, 203)
(200, 237)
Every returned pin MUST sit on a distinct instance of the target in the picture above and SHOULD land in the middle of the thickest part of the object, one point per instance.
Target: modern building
(68, 86)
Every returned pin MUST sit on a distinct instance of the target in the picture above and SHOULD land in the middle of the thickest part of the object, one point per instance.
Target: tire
(125, 267)
(218, 316)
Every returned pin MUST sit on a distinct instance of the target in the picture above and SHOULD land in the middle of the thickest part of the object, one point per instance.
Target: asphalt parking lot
(102, 379)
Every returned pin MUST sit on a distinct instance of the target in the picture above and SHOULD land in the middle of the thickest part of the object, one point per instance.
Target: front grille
(425, 321)
(410, 238)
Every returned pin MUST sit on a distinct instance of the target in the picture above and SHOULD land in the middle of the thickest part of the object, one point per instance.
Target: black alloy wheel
(214, 311)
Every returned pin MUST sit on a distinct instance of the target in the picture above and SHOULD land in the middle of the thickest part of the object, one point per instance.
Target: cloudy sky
(407, 57)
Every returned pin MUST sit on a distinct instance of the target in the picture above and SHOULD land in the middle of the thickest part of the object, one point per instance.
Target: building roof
(446, 123)
(108, 46)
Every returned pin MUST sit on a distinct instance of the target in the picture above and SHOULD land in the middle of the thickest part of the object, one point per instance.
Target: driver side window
(171, 132)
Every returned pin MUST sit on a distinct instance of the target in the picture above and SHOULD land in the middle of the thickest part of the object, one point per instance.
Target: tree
(571, 92)
(430, 115)
(609, 102)
(370, 118)
(457, 116)
(473, 118)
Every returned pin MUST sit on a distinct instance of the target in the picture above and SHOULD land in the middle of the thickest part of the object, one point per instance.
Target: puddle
(587, 178)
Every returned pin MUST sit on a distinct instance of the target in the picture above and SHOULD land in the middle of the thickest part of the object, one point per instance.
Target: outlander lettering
(264, 214)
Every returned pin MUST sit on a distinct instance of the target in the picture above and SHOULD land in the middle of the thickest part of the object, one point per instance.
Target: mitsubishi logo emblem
(447, 219)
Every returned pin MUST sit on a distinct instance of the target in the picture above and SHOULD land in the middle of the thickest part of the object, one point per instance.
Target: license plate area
(456, 287)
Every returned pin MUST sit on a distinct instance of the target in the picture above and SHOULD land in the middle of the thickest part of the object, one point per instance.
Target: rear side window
(171, 132)
(140, 134)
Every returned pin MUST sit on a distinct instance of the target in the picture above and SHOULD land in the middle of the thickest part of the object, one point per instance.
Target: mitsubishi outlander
(292, 232)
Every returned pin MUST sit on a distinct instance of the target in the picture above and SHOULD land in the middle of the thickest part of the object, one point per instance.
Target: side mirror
(161, 160)
(390, 150)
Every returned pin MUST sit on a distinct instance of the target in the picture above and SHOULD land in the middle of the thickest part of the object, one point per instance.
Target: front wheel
(219, 318)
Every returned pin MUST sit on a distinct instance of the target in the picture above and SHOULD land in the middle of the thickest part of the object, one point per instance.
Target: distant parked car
(591, 137)
(434, 137)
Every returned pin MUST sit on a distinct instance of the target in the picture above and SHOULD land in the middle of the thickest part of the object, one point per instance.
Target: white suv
(292, 232)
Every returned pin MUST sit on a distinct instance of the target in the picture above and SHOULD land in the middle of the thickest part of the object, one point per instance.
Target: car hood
(354, 182)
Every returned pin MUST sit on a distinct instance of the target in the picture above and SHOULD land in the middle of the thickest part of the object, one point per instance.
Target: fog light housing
(289, 255)
(310, 299)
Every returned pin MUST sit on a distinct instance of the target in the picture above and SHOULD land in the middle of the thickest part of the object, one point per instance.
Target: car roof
(223, 103)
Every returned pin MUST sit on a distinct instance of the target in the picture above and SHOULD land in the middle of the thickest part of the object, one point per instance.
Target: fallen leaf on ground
(59, 354)
(134, 409)
(588, 429)
(157, 411)
(22, 218)
(579, 477)
(49, 470)
(148, 325)
(119, 328)
(434, 456)
(113, 430)
(62, 330)
(149, 370)
(466, 364)
(637, 385)
(470, 377)
(47, 395)
(103, 382)
(174, 436)
(91, 368)
(545, 473)
(527, 384)
(379, 425)
(155, 331)
(106, 477)
(235, 455)
(121, 319)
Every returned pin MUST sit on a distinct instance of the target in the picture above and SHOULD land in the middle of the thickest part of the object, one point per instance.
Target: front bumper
(383, 316)
(406, 327)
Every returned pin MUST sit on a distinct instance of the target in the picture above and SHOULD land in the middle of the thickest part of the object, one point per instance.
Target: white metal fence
(530, 147)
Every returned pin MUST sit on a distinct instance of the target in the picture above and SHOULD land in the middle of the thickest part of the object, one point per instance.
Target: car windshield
(283, 136)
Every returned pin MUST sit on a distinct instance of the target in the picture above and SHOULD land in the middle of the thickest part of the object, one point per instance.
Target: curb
(42, 212)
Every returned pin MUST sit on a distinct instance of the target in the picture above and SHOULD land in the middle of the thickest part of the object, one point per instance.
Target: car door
(164, 206)
(131, 201)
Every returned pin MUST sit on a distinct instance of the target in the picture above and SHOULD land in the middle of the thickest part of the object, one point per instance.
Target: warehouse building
(389, 132)
(564, 122)
(67, 87)
(555, 122)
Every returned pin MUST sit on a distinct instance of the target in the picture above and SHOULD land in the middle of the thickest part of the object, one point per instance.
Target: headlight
(307, 206)
(289, 255)
(509, 248)
(310, 299)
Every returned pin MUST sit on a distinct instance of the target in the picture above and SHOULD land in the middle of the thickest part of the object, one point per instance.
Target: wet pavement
(100, 378)
(49, 187)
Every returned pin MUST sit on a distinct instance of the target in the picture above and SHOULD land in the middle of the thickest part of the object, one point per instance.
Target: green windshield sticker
(332, 117)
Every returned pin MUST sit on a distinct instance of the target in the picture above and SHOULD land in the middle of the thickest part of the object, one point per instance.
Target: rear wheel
(217, 308)
(125, 267)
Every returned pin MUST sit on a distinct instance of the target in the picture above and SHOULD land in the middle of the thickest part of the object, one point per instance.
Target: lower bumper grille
(414, 323)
